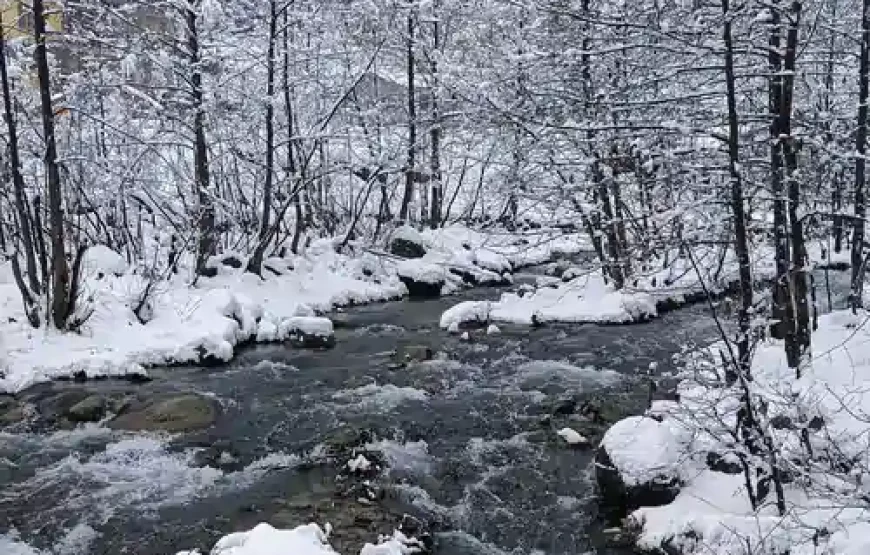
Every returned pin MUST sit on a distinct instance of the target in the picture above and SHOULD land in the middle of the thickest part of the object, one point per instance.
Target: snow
(465, 312)
(641, 449)
(309, 539)
(572, 437)
(359, 464)
(263, 539)
(100, 259)
(712, 512)
(188, 323)
(492, 329)
(409, 234)
(309, 325)
(588, 297)
(422, 270)
(397, 544)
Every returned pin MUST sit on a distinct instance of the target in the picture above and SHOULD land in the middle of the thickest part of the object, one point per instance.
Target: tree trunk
(28, 245)
(741, 243)
(412, 124)
(857, 293)
(61, 301)
(781, 295)
(605, 207)
(798, 333)
(206, 218)
(435, 131)
(256, 261)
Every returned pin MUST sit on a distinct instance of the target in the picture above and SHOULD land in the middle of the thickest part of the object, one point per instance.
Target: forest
(182, 181)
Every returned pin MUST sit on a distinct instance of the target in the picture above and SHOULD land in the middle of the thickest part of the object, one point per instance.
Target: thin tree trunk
(412, 124)
(798, 334)
(61, 301)
(857, 293)
(435, 131)
(256, 261)
(206, 216)
(781, 303)
(741, 243)
(24, 223)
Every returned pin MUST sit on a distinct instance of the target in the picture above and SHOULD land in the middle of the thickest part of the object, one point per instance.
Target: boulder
(422, 289)
(90, 409)
(726, 464)
(412, 353)
(310, 332)
(176, 414)
(11, 411)
(407, 243)
(637, 465)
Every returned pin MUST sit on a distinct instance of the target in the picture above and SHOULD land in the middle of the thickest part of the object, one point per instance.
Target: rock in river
(637, 465)
(176, 414)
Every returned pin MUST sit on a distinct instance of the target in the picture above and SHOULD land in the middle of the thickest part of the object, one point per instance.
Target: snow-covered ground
(207, 321)
(584, 295)
(826, 494)
(185, 323)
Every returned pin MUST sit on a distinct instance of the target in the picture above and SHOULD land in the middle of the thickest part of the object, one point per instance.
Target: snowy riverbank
(206, 322)
(819, 426)
(583, 295)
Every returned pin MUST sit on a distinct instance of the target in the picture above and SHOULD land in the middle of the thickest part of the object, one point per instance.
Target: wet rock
(176, 414)
(90, 409)
(220, 455)
(11, 411)
(407, 243)
(565, 407)
(412, 353)
(422, 289)
(726, 464)
(636, 465)
(310, 332)
(621, 498)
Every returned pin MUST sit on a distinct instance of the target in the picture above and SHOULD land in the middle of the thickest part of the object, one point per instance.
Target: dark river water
(464, 435)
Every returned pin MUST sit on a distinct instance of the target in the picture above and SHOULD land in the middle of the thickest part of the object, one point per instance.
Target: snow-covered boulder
(637, 465)
(407, 242)
(308, 332)
(423, 279)
(263, 539)
(397, 544)
(466, 314)
(100, 261)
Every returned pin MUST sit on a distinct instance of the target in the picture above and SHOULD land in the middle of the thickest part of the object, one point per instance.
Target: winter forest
(457, 277)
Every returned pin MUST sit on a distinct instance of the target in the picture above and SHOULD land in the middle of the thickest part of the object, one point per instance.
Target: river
(467, 439)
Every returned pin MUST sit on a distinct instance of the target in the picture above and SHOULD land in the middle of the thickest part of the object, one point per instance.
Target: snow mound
(422, 271)
(642, 449)
(397, 544)
(100, 260)
(309, 325)
(263, 539)
(468, 312)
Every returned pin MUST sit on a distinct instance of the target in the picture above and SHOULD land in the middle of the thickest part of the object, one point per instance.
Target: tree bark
(256, 260)
(412, 123)
(741, 242)
(206, 218)
(856, 300)
(24, 228)
(781, 294)
(435, 131)
(798, 334)
(61, 301)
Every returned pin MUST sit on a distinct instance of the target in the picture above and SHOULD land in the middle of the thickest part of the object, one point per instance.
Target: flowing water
(466, 436)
